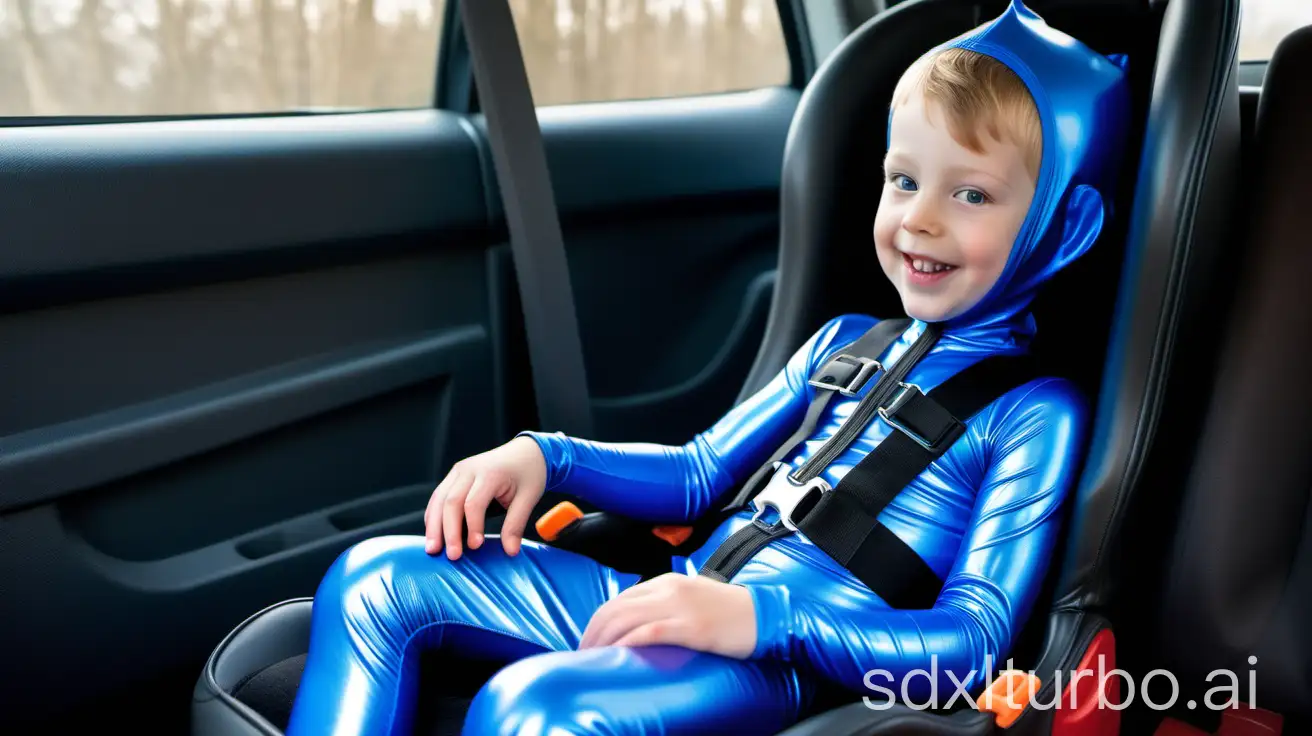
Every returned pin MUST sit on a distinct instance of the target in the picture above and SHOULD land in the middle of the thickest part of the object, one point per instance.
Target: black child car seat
(1116, 343)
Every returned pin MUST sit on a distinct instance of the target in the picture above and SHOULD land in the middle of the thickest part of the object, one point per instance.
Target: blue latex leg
(637, 690)
(385, 600)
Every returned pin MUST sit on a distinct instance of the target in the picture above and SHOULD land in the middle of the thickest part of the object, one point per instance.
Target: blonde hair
(977, 93)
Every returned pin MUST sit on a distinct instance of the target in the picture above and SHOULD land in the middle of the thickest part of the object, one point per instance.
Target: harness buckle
(784, 495)
(900, 399)
(860, 368)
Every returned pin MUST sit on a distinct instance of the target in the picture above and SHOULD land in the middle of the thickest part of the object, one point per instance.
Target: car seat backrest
(1238, 581)
(1177, 230)
(1110, 322)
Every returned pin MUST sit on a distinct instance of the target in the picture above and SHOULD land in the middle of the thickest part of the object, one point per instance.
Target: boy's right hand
(515, 474)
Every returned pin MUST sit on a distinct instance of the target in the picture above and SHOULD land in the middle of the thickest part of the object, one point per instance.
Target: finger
(512, 527)
(622, 618)
(476, 507)
(453, 509)
(600, 619)
(661, 631)
(433, 517)
(650, 600)
(650, 587)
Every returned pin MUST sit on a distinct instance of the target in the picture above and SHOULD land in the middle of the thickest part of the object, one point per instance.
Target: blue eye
(904, 182)
(973, 196)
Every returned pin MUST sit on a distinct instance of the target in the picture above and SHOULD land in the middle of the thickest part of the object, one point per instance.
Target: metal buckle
(900, 400)
(866, 368)
(783, 494)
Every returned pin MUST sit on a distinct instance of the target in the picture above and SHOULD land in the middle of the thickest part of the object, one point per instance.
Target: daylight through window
(194, 57)
(1266, 22)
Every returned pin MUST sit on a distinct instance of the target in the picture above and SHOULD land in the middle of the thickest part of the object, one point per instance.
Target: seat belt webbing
(844, 522)
(747, 541)
(828, 380)
(554, 346)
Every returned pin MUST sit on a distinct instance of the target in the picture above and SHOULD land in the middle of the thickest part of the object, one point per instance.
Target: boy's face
(948, 216)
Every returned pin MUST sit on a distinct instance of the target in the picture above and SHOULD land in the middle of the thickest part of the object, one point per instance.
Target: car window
(198, 57)
(193, 57)
(602, 50)
(1265, 22)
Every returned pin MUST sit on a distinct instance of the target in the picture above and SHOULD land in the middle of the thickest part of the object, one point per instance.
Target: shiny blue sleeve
(676, 484)
(1027, 444)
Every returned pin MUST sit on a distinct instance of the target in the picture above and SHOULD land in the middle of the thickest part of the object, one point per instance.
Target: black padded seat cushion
(272, 690)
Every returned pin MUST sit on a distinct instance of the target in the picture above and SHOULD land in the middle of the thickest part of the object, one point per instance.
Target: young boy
(1000, 146)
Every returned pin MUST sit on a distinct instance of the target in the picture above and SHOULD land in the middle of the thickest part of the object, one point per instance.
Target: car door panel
(232, 348)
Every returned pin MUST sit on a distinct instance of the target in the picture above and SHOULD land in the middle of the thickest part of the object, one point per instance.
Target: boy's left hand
(687, 610)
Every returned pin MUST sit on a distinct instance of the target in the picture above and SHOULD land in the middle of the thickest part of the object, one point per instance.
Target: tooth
(918, 264)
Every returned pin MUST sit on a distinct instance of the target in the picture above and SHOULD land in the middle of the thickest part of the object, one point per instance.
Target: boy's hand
(515, 474)
(690, 611)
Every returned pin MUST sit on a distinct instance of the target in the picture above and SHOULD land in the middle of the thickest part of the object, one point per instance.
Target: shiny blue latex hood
(1083, 103)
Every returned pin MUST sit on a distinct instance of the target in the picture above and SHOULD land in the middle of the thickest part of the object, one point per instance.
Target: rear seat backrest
(1238, 580)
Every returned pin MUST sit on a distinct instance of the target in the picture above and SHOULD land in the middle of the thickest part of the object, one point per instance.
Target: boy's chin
(929, 311)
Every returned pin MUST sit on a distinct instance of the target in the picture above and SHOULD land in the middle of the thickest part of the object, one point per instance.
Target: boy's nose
(921, 218)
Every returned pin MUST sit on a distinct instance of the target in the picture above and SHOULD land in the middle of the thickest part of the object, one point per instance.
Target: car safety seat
(1116, 342)
(1232, 588)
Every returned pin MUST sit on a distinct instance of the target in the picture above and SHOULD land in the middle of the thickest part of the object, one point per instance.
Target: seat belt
(846, 373)
(795, 485)
(554, 346)
(843, 522)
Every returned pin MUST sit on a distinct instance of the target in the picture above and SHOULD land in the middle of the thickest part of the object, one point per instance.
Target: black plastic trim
(144, 192)
(797, 39)
(45, 464)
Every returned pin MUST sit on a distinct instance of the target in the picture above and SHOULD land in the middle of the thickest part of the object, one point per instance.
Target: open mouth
(923, 270)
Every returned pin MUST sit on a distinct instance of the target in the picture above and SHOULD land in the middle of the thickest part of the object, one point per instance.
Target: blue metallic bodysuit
(985, 516)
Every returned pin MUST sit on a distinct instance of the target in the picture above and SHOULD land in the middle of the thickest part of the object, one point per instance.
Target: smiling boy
(963, 160)
(983, 201)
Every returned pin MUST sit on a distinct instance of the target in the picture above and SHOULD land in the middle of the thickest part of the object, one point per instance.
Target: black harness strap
(747, 541)
(844, 522)
(846, 372)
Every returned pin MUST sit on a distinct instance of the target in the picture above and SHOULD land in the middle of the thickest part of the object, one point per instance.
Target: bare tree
(39, 78)
(199, 56)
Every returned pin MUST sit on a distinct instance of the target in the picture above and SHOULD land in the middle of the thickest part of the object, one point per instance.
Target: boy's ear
(1085, 216)
(1082, 223)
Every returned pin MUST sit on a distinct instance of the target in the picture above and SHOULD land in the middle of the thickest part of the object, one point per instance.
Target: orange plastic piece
(1008, 695)
(675, 535)
(552, 523)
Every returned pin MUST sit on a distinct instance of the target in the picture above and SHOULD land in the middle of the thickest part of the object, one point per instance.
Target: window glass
(598, 50)
(1265, 22)
(191, 57)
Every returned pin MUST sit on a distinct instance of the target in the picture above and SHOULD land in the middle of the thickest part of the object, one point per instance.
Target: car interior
(212, 396)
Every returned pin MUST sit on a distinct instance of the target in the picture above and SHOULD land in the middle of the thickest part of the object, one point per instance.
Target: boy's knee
(529, 699)
(375, 590)
(368, 560)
